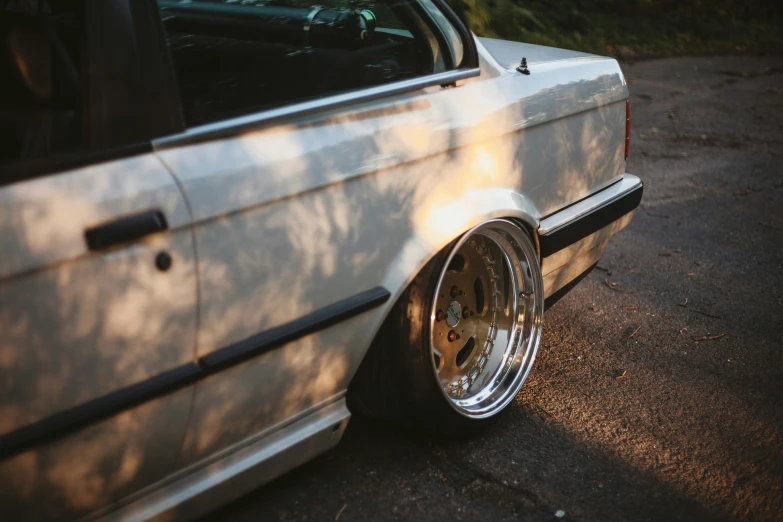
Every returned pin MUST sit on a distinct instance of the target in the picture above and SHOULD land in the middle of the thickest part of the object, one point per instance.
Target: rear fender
(442, 223)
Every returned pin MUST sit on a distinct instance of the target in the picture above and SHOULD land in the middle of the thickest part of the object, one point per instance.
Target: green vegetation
(630, 28)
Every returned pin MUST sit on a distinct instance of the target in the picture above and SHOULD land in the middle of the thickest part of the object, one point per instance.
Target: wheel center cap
(453, 313)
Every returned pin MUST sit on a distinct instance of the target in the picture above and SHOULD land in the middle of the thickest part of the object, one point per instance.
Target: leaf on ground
(612, 286)
(620, 373)
(631, 308)
(710, 337)
(705, 313)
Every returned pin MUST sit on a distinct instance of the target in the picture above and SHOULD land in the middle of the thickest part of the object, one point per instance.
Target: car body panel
(275, 387)
(236, 470)
(44, 219)
(97, 466)
(80, 324)
(509, 54)
(113, 318)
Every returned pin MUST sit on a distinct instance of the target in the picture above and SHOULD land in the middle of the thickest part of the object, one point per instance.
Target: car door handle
(125, 229)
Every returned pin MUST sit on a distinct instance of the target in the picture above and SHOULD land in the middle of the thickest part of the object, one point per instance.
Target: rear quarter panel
(294, 217)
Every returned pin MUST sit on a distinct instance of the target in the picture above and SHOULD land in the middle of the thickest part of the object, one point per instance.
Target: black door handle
(125, 229)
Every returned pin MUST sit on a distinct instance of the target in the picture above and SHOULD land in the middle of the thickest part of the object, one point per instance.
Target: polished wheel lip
(520, 351)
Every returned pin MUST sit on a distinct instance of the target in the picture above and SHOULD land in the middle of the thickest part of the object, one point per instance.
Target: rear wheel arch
(407, 317)
(416, 249)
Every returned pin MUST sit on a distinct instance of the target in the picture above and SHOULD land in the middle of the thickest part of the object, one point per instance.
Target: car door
(97, 267)
(289, 262)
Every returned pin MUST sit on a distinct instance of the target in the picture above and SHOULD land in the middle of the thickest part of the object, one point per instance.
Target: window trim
(469, 68)
(241, 124)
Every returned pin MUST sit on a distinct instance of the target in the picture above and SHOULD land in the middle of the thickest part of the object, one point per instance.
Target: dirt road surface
(626, 416)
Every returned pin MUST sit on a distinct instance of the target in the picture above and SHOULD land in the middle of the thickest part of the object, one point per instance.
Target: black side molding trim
(568, 234)
(557, 296)
(66, 421)
(73, 419)
(271, 339)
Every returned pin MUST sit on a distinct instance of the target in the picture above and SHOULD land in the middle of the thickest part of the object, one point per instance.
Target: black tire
(396, 382)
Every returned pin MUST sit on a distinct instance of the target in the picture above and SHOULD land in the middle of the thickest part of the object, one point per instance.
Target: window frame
(239, 124)
(127, 21)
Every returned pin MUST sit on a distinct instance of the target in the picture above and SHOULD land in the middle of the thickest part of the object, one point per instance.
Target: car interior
(40, 94)
(233, 58)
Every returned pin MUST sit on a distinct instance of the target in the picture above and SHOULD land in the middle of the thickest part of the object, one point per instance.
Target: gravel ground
(625, 415)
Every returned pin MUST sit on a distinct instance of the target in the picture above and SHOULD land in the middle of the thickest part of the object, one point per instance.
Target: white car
(221, 220)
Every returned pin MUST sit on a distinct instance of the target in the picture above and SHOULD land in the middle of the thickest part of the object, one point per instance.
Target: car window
(41, 62)
(235, 57)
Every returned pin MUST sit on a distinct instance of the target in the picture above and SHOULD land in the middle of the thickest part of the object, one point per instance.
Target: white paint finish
(96, 466)
(88, 323)
(83, 328)
(238, 472)
(43, 220)
(490, 67)
(302, 254)
(509, 54)
(78, 325)
(562, 218)
(276, 387)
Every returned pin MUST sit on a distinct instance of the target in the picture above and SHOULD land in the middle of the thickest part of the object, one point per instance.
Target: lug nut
(439, 315)
(454, 291)
(452, 336)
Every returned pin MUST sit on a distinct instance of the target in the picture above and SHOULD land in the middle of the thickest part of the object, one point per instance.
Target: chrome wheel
(485, 322)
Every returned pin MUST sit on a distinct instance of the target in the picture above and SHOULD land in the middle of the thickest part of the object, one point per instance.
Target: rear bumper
(573, 239)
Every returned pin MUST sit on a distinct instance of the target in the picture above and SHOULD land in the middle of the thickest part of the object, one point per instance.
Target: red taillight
(627, 128)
